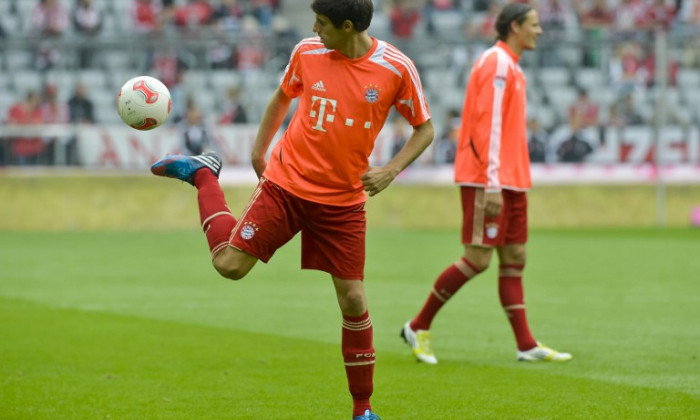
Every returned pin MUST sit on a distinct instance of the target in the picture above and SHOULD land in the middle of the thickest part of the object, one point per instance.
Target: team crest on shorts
(491, 230)
(372, 93)
(248, 230)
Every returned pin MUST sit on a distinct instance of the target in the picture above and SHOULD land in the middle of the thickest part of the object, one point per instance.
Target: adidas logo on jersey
(319, 86)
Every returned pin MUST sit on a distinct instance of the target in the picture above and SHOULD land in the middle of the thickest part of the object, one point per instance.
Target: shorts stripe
(254, 197)
(479, 217)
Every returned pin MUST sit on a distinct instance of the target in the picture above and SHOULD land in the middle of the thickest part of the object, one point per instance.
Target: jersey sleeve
(410, 101)
(291, 82)
(489, 134)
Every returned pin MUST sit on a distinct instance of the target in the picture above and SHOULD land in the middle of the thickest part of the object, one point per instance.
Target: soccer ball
(144, 103)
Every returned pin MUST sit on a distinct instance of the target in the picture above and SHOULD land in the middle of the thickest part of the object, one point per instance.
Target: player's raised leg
(216, 219)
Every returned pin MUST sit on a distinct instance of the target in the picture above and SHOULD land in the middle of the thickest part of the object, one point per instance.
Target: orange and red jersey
(492, 151)
(343, 104)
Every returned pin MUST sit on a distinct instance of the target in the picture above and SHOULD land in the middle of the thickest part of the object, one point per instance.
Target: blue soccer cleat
(184, 167)
(367, 416)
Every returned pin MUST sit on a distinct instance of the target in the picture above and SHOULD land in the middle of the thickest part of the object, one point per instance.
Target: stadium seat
(688, 78)
(94, 78)
(223, 79)
(19, 59)
(27, 80)
(61, 77)
(560, 99)
(589, 79)
(554, 76)
(116, 59)
(195, 80)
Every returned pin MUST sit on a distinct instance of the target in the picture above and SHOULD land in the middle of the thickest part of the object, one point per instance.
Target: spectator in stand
(227, 16)
(80, 111)
(195, 136)
(87, 22)
(233, 112)
(446, 146)
(658, 13)
(575, 148)
(487, 31)
(26, 150)
(404, 17)
(80, 107)
(584, 110)
(251, 54)
(399, 136)
(54, 111)
(626, 72)
(49, 20)
(146, 16)
(689, 13)
(625, 112)
(263, 11)
(627, 16)
(557, 17)
(194, 15)
(596, 22)
(537, 141)
(178, 97)
(219, 52)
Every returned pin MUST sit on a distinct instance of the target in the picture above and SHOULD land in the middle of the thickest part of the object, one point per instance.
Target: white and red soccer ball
(144, 103)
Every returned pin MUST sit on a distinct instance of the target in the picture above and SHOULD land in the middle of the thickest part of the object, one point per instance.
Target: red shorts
(509, 227)
(332, 237)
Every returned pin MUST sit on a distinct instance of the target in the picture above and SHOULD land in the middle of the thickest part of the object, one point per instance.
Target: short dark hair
(511, 12)
(359, 12)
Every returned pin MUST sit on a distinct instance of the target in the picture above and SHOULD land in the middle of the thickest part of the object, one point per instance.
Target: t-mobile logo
(322, 111)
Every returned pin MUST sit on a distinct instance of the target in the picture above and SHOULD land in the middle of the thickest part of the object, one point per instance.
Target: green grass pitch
(137, 325)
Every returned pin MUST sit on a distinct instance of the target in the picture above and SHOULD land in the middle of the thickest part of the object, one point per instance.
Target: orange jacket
(492, 151)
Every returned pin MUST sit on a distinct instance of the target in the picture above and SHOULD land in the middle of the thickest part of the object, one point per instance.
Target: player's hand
(494, 203)
(259, 166)
(376, 179)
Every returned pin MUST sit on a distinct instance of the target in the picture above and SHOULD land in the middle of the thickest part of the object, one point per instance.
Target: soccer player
(492, 168)
(318, 174)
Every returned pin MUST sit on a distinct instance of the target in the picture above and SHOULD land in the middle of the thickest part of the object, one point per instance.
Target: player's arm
(272, 118)
(377, 179)
(493, 87)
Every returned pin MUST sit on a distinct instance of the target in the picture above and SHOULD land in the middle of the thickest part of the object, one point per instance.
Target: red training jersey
(492, 151)
(343, 104)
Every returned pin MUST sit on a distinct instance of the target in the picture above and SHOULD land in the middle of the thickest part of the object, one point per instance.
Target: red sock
(358, 353)
(510, 290)
(214, 215)
(445, 287)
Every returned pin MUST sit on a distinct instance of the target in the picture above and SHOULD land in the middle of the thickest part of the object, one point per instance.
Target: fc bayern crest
(491, 230)
(248, 230)
(372, 93)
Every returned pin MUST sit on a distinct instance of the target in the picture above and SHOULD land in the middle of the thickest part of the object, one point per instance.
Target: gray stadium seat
(26, 80)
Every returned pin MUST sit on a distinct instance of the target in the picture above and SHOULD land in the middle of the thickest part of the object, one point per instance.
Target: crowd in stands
(233, 50)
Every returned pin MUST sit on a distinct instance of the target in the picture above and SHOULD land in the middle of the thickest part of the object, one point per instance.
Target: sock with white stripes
(358, 353)
(446, 285)
(510, 291)
(214, 215)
